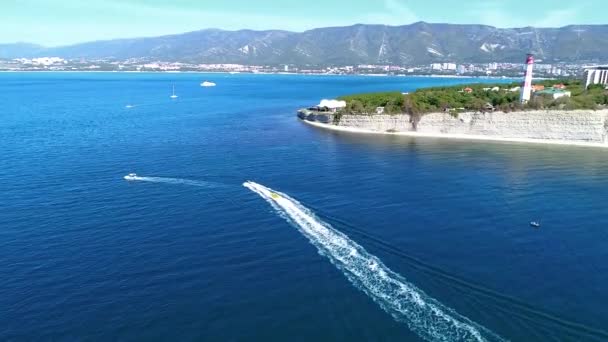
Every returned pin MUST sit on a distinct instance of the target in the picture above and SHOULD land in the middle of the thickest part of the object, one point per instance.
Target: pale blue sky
(59, 22)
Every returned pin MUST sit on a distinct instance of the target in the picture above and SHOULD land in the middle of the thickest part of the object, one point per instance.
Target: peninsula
(559, 112)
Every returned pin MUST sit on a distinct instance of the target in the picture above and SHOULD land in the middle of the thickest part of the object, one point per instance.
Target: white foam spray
(423, 314)
(173, 181)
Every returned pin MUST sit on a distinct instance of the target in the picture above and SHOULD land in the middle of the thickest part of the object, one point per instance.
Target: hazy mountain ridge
(418, 43)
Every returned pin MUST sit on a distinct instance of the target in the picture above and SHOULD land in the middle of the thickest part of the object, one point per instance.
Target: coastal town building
(435, 66)
(448, 66)
(329, 105)
(596, 75)
(148, 64)
(538, 87)
(42, 61)
(555, 93)
(559, 86)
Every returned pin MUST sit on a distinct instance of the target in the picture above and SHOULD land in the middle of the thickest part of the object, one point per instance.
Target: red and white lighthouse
(526, 88)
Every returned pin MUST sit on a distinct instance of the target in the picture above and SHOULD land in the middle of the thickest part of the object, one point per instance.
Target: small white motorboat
(535, 224)
(207, 84)
(131, 177)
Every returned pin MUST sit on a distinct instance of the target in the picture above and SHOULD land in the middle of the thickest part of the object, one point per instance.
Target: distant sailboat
(173, 96)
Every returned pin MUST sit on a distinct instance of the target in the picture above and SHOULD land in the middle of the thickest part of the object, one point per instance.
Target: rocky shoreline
(576, 127)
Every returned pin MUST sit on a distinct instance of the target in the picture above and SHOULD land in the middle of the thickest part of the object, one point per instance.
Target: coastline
(455, 136)
(263, 73)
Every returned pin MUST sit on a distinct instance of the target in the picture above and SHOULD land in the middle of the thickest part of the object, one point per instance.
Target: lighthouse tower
(526, 89)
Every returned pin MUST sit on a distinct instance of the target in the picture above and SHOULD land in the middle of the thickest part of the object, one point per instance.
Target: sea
(245, 224)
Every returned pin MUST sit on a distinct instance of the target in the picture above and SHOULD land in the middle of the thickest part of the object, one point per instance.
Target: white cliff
(378, 122)
(578, 126)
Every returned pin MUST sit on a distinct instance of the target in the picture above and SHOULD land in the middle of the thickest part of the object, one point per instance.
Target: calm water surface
(85, 255)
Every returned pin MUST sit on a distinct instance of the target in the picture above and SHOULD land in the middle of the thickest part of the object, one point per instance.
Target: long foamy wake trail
(175, 181)
(424, 315)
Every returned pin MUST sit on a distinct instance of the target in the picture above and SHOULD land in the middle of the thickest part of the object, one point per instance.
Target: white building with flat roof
(448, 66)
(436, 66)
(596, 75)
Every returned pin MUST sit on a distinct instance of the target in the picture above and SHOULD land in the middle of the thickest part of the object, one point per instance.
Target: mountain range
(415, 44)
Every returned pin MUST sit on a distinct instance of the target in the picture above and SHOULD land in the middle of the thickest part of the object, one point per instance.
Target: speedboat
(207, 84)
(535, 224)
(131, 177)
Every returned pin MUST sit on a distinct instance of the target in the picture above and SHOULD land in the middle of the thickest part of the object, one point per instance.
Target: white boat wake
(423, 314)
(135, 178)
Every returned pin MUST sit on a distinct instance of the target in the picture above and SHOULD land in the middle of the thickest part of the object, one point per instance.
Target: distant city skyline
(64, 22)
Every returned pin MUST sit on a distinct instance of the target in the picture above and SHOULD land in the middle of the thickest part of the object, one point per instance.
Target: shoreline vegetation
(559, 112)
(547, 94)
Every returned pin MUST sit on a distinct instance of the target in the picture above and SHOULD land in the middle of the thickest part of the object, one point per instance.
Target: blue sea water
(190, 254)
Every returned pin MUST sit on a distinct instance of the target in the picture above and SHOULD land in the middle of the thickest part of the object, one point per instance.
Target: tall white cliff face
(579, 125)
(378, 123)
(576, 126)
